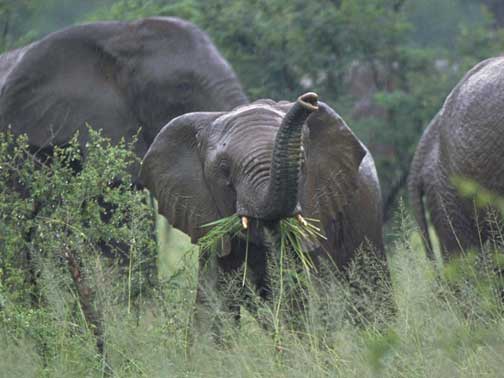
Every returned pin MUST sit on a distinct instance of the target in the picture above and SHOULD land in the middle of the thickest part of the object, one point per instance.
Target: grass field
(450, 327)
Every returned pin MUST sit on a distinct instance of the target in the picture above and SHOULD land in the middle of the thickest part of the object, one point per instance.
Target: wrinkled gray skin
(465, 139)
(265, 161)
(115, 76)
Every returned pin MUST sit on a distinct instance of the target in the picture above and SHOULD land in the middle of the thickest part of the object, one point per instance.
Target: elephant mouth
(276, 237)
(265, 232)
(253, 229)
(245, 220)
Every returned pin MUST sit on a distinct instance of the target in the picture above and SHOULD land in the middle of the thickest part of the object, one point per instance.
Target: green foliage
(482, 196)
(381, 345)
(134, 9)
(22, 21)
(68, 204)
(436, 331)
(220, 229)
(437, 23)
(296, 41)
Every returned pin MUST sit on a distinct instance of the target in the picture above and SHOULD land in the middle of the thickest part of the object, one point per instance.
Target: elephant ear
(173, 171)
(63, 82)
(333, 157)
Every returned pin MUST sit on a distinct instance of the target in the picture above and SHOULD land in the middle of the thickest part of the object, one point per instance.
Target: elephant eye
(184, 89)
(225, 167)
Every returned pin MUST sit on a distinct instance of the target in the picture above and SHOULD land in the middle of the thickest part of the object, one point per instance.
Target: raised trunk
(282, 195)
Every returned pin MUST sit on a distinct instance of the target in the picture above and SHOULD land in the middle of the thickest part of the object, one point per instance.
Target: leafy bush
(58, 202)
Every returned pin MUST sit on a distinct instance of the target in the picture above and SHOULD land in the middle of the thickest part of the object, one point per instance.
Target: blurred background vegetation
(384, 65)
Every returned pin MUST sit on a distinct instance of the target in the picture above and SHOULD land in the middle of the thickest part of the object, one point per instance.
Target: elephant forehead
(253, 120)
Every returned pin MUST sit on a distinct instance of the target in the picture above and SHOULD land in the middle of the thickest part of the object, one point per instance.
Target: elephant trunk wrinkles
(282, 194)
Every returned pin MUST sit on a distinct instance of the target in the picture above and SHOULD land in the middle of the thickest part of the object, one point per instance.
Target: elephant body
(464, 140)
(264, 162)
(114, 76)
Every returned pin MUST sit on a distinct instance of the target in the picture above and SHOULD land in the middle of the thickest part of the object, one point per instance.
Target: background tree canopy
(385, 65)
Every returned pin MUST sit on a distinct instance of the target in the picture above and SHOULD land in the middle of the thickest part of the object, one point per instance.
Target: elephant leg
(221, 289)
(219, 292)
(28, 260)
(205, 290)
(295, 296)
(259, 293)
(150, 256)
(458, 223)
(290, 296)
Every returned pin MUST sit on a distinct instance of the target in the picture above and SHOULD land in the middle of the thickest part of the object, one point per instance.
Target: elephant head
(115, 76)
(264, 161)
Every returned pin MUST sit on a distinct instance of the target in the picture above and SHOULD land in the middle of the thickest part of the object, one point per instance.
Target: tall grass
(442, 328)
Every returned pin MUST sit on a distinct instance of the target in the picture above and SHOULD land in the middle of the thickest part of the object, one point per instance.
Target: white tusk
(244, 222)
(301, 220)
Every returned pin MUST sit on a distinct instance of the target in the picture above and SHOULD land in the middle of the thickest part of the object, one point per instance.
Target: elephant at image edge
(465, 140)
(266, 161)
(115, 76)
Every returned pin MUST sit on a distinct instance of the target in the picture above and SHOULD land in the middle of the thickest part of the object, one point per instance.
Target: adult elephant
(115, 76)
(465, 139)
(264, 162)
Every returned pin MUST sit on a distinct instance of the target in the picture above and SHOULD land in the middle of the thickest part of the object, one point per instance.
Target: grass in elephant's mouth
(292, 235)
(228, 226)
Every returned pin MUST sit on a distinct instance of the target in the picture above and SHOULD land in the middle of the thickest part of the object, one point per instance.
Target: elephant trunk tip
(309, 101)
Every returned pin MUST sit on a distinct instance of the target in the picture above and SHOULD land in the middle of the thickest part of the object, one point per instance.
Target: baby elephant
(264, 162)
